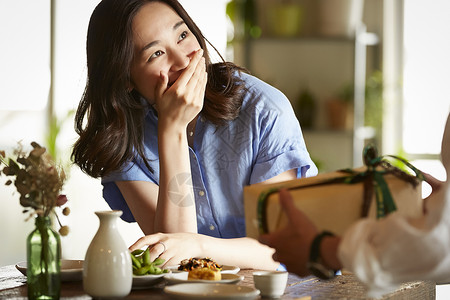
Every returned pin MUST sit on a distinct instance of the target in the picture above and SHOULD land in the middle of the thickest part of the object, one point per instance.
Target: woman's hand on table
(172, 247)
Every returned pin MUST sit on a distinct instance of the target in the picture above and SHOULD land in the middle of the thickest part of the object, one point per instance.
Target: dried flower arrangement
(38, 181)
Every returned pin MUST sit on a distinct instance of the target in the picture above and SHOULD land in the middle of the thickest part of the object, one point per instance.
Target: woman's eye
(155, 55)
(183, 35)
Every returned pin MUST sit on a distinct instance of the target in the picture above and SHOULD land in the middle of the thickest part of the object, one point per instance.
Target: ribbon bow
(372, 178)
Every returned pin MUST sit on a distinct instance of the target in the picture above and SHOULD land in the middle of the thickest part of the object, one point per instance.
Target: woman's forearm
(175, 210)
(243, 252)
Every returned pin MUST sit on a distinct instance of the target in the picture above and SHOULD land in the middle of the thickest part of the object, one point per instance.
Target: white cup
(270, 283)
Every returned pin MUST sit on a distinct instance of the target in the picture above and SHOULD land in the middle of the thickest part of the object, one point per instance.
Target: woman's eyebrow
(178, 24)
(151, 44)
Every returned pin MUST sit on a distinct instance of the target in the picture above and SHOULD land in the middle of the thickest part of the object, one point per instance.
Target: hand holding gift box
(382, 253)
(335, 200)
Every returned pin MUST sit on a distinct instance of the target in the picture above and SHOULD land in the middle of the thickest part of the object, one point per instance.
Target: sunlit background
(39, 79)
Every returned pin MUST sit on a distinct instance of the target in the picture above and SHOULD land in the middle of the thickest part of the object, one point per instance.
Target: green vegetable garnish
(142, 264)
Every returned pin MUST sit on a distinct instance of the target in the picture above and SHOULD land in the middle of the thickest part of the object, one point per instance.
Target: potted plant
(340, 109)
(285, 18)
(305, 108)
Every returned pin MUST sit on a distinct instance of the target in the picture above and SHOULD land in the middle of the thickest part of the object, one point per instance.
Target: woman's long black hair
(109, 119)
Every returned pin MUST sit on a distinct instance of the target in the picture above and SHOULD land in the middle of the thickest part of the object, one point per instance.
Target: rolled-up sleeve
(280, 144)
(112, 194)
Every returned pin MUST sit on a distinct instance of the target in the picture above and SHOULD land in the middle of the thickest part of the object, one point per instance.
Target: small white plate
(207, 291)
(230, 270)
(71, 270)
(145, 281)
(182, 277)
(225, 269)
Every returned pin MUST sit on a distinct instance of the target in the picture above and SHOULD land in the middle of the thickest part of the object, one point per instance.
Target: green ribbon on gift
(372, 179)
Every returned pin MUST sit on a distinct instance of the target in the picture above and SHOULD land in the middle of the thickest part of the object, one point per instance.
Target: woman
(381, 253)
(175, 138)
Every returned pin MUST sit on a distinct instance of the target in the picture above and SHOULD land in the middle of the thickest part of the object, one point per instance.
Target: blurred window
(426, 78)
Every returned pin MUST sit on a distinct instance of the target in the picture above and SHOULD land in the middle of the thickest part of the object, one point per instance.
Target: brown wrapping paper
(332, 207)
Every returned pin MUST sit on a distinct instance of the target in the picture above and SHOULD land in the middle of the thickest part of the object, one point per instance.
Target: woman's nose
(179, 61)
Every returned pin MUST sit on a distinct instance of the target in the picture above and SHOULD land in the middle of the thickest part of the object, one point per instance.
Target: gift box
(335, 200)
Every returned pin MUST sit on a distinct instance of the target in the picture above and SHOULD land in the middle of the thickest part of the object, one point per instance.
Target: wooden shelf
(301, 39)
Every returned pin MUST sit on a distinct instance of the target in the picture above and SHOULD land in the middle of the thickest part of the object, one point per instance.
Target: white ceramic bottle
(107, 270)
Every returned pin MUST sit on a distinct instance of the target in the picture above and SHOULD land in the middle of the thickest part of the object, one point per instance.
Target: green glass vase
(43, 261)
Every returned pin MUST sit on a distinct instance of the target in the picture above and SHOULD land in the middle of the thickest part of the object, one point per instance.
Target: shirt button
(211, 227)
(201, 193)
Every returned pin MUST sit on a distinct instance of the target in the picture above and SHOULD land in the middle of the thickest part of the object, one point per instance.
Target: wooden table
(13, 285)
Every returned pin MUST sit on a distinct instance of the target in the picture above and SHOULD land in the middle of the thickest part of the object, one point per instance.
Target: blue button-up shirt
(264, 141)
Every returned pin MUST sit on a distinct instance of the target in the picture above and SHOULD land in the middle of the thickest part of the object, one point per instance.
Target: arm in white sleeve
(387, 252)
(384, 253)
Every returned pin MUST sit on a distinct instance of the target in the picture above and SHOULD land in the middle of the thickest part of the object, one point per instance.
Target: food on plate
(199, 263)
(142, 264)
(204, 274)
